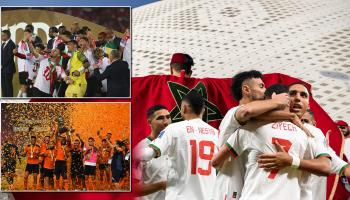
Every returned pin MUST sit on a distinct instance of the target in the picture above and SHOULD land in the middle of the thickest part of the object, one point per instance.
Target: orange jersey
(49, 159)
(105, 153)
(43, 147)
(32, 153)
(62, 152)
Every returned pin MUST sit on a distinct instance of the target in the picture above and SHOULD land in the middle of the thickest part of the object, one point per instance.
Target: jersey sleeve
(347, 148)
(228, 125)
(236, 143)
(337, 165)
(162, 143)
(318, 149)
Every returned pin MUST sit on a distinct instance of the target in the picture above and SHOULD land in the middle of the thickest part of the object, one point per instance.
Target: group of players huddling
(262, 149)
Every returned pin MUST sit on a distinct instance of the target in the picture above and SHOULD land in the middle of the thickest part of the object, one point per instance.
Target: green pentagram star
(211, 113)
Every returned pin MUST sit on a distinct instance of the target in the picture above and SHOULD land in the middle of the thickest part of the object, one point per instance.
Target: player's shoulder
(231, 112)
(314, 130)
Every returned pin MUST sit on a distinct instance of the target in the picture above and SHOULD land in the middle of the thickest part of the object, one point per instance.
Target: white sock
(24, 94)
(19, 93)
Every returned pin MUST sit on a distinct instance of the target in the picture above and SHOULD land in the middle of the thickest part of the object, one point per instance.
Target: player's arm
(146, 189)
(320, 165)
(99, 134)
(256, 108)
(230, 148)
(158, 147)
(81, 141)
(221, 156)
(346, 171)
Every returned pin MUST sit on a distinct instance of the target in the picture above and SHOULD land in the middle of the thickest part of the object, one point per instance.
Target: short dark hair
(276, 88)
(238, 79)
(74, 42)
(300, 83)
(67, 33)
(54, 29)
(195, 100)
(28, 30)
(85, 38)
(62, 27)
(40, 45)
(86, 28)
(30, 27)
(81, 31)
(154, 109)
(61, 47)
(47, 136)
(91, 138)
(104, 140)
(7, 32)
(187, 66)
(33, 136)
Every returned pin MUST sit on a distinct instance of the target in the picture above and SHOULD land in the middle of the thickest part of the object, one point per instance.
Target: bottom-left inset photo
(65, 147)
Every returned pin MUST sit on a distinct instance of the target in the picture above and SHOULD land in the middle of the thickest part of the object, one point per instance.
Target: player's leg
(65, 184)
(41, 176)
(35, 176)
(108, 176)
(93, 177)
(57, 175)
(26, 175)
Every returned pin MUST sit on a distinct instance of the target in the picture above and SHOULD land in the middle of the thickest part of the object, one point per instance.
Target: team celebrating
(267, 147)
(71, 64)
(64, 164)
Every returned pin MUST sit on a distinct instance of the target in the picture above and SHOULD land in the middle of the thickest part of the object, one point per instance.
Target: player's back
(192, 146)
(252, 141)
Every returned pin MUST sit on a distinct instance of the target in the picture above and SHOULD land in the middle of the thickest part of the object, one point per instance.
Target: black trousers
(6, 84)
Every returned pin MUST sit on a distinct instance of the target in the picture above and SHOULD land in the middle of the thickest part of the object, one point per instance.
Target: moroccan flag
(169, 90)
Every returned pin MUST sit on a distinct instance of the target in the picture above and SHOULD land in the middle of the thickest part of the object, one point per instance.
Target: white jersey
(152, 171)
(90, 57)
(127, 52)
(320, 147)
(230, 179)
(252, 140)
(347, 148)
(42, 81)
(32, 62)
(190, 146)
(102, 67)
(24, 64)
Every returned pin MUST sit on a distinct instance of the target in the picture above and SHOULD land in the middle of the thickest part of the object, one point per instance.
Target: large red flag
(168, 91)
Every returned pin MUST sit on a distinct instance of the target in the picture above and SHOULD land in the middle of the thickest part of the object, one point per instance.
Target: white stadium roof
(307, 39)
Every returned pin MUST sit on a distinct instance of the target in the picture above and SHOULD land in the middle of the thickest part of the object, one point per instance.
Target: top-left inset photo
(65, 52)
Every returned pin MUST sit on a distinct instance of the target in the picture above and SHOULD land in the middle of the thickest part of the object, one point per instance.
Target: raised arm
(256, 108)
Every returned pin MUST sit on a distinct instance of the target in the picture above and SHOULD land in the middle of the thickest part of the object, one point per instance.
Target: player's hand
(346, 171)
(278, 160)
(300, 124)
(15, 51)
(281, 100)
(76, 73)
